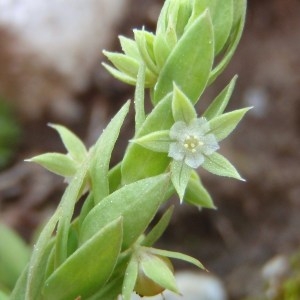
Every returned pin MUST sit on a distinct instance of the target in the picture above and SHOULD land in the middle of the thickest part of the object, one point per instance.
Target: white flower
(192, 142)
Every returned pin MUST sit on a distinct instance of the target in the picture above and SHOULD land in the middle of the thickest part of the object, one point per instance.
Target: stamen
(192, 142)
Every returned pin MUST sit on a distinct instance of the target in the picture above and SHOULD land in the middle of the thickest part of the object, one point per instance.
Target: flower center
(191, 142)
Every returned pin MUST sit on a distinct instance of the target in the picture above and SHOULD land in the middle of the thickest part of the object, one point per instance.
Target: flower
(192, 142)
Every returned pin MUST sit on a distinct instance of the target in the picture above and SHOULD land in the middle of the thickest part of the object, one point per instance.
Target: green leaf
(218, 106)
(60, 164)
(50, 265)
(182, 108)
(30, 283)
(139, 162)
(189, 64)
(180, 175)
(222, 18)
(120, 75)
(101, 154)
(130, 279)
(139, 97)
(161, 50)
(14, 256)
(160, 117)
(159, 228)
(219, 165)
(196, 194)
(115, 178)
(144, 40)
(124, 63)
(158, 141)
(20, 286)
(136, 202)
(184, 13)
(161, 26)
(130, 48)
(66, 210)
(3, 296)
(233, 40)
(110, 291)
(73, 144)
(87, 269)
(157, 270)
(177, 255)
(221, 126)
(88, 204)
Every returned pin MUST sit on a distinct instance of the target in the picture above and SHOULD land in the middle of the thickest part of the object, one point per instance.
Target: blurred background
(50, 71)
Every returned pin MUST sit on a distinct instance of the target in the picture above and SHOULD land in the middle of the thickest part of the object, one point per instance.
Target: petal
(210, 144)
(194, 160)
(176, 151)
(201, 124)
(198, 127)
(178, 131)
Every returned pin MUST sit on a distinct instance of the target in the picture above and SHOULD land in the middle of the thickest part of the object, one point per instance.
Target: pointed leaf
(139, 96)
(101, 154)
(136, 202)
(73, 144)
(66, 210)
(161, 26)
(88, 204)
(129, 279)
(124, 63)
(234, 38)
(31, 280)
(157, 270)
(130, 48)
(182, 108)
(196, 194)
(115, 178)
(180, 175)
(88, 268)
(218, 106)
(161, 50)
(158, 141)
(139, 162)
(177, 255)
(219, 165)
(144, 40)
(120, 75)
(222, 16)
(189, 64)
(221, 126)
(159, 228)
(60, 164)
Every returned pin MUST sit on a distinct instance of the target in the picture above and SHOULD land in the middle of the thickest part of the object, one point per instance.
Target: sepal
(180, 175)
(182, 108)
(221, 126)
(60, 164)
(158, 141)
(219, 165)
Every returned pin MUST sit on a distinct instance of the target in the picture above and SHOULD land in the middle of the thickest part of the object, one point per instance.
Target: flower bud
(146, 286)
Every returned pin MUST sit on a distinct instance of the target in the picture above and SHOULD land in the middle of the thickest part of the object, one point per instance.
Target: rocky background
(50, 58)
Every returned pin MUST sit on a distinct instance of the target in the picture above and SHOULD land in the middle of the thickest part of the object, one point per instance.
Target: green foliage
(99, 255)
(14, 255)
(107, 249)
